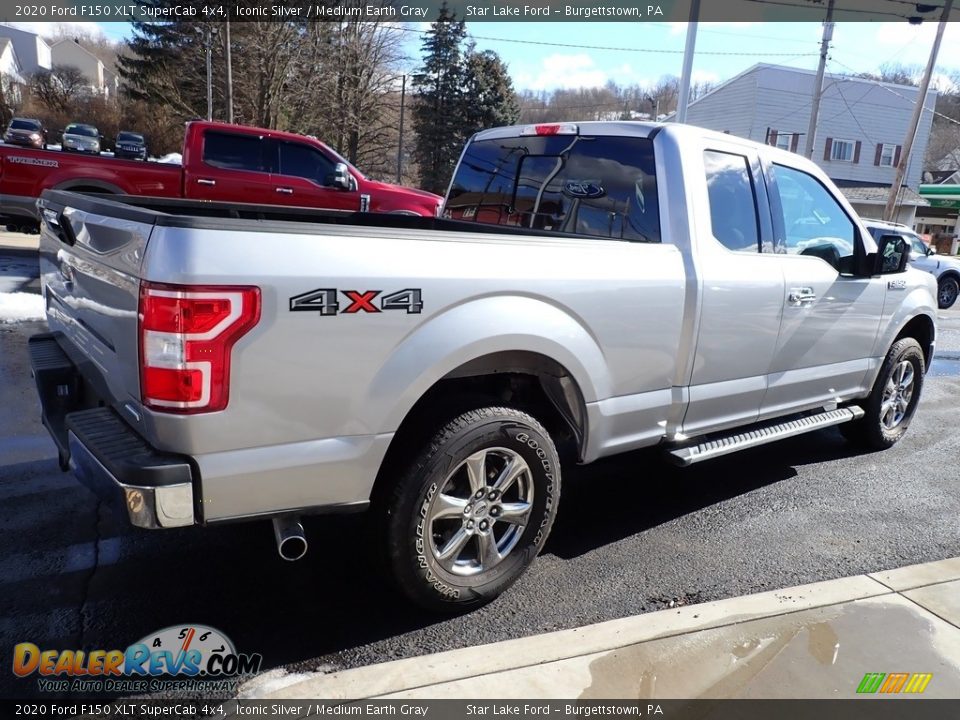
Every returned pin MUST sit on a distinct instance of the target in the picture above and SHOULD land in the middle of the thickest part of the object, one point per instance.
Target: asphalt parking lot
(633, 535)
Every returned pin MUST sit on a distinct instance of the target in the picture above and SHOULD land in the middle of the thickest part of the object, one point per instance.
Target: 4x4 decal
(325, 302)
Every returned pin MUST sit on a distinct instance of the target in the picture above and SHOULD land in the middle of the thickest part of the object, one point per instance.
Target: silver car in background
(944, 268)
(81, 138)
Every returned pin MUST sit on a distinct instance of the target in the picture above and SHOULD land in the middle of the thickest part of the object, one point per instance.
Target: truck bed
(203, 214)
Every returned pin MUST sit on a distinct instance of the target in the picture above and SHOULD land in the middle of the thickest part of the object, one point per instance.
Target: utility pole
(403, 98)
(226, 48)
(684, 98)
(818, 82)
(890, 209)
(209, 43)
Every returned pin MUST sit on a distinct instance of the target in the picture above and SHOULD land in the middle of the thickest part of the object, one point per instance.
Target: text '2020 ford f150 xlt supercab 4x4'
(594, 289)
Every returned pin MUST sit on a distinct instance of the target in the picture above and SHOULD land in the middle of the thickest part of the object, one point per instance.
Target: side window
(233, 152)
(814, 223)
(305, 162)
(733, 205)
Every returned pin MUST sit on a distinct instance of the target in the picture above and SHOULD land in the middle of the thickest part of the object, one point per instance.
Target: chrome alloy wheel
(897, 395)
(480, 511)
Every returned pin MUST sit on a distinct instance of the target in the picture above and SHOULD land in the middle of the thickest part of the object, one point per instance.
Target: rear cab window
(233, 151)
(589, 185)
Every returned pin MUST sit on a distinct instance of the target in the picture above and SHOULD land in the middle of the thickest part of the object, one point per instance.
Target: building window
(783, 140)
(842, 150)
(888, 155)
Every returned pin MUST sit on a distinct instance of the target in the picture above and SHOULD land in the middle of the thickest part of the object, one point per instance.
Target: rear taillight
(187, 333)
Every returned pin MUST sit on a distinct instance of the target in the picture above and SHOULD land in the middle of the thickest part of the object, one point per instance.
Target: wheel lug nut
(470, 525)
(483, 525)
(494, 511)
(468, 509)
(493, 495)
(479, 494)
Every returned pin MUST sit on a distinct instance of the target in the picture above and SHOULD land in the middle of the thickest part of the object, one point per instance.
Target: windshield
(583, 185)
(24, 125)
(84, 130)
(130, 137)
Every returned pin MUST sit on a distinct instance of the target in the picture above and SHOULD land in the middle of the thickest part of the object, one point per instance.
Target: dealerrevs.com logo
(198, 656)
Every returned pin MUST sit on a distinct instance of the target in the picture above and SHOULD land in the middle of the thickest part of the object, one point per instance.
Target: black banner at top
(637, 11)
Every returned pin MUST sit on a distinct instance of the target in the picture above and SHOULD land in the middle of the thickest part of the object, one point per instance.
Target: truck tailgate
(89, 268)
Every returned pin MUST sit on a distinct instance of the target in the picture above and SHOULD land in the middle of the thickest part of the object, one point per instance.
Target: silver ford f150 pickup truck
(592, 289)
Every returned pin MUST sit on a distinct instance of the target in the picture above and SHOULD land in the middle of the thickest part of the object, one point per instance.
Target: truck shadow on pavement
(613, 499)
(91, 583)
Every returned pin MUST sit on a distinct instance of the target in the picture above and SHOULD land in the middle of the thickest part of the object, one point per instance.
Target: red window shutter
(896, 157)
(828, 146)
(773, 137)
(877, 154)
(856, 152)
(794, 141)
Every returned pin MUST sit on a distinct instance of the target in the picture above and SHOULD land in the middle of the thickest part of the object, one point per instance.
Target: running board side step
(724, 445)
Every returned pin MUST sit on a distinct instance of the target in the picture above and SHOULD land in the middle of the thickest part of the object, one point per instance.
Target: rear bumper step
(152, 489)
(723, 445)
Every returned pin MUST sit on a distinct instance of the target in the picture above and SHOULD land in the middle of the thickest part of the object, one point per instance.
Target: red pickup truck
(230, 163)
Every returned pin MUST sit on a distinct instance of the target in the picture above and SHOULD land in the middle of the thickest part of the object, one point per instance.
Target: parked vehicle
(944, 268)
(26, 131)
(81, 138)
(130, 145)
(221, 162)
(657, 286)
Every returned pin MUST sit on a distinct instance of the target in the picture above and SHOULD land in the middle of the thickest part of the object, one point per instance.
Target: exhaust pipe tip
(291, 540)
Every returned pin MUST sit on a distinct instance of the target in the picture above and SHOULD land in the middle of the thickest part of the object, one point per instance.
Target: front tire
(947, 290)
(470, 513)
(893, 400)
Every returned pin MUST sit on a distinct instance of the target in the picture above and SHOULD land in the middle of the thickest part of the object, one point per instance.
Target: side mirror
(893, 253)
(931, 251)
(341, 177)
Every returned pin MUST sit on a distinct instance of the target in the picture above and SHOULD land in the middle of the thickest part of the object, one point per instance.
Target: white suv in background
(944, 268)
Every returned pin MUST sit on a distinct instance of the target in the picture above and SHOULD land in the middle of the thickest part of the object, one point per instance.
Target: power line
(890, 90)
(609, 48)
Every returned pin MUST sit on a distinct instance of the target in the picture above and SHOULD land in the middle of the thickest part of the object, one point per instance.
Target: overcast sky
(544, 56)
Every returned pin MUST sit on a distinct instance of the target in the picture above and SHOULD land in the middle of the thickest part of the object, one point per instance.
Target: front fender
(901, 310)
(473, 330)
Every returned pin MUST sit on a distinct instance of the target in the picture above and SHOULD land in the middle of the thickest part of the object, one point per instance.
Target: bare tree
(59, 88)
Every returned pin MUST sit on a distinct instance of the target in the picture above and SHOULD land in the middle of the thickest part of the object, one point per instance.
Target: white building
(101, 79)
(861, 127)
(31, 50)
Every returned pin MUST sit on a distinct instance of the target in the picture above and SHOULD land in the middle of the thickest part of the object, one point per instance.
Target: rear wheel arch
(89, 185)
(528, 381)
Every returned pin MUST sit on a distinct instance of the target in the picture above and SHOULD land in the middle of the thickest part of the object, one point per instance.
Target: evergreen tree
(488, 97)
(440, 132)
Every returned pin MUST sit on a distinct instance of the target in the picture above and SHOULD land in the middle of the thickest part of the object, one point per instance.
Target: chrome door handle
(206, 181)
(801, 296)
(285, 190)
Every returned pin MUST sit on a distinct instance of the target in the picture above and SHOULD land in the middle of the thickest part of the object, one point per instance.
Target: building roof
(866, 194)
(801, 71)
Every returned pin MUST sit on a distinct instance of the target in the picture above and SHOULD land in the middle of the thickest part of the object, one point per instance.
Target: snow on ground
(270, 681)
(20, 307)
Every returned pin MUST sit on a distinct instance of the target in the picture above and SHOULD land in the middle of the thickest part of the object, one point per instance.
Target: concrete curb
(423, 671)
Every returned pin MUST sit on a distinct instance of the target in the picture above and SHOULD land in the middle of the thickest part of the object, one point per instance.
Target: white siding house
(861, 128)
(31, 50)
(69, 52)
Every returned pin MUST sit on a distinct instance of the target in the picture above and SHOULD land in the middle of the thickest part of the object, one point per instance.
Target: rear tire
(469, 513)
(893, 400)
(947, 290)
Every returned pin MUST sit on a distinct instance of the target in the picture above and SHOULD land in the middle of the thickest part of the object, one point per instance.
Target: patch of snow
(265, 683)
(21, 307)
